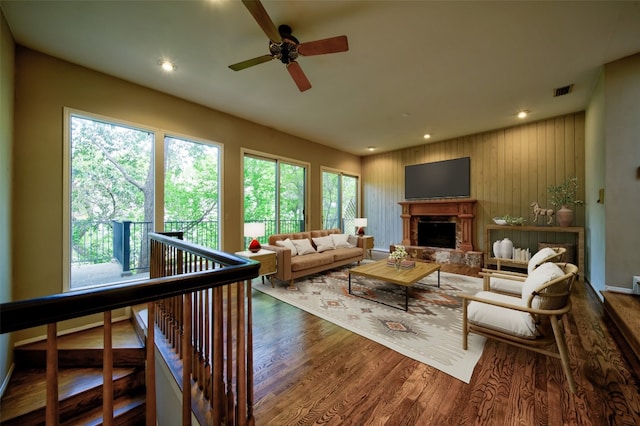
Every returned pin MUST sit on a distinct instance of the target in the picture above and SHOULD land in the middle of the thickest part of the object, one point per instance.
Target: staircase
(80, 380)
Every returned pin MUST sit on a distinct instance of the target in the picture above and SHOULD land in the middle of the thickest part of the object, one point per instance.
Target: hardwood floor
(310, 371)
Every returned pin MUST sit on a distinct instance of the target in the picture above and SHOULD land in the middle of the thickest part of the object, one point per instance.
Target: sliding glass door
(274, 194)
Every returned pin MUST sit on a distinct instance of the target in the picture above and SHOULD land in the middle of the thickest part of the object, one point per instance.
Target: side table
(367, 243)
(267, 259)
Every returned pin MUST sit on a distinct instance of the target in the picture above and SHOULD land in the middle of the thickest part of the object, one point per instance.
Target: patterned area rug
(430, 332)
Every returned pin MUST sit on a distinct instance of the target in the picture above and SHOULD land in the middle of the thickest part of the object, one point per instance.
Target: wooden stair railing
(184, 277)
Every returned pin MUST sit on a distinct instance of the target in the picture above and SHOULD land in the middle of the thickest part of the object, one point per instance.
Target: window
(339, 200)
(111, 196)
(274, 194)
(191, 191)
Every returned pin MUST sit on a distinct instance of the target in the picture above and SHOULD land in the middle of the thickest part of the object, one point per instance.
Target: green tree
(113, 179)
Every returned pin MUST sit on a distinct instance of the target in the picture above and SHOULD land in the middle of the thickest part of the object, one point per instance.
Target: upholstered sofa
(305, 253)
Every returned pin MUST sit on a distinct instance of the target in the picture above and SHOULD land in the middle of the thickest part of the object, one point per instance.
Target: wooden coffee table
(405, 277)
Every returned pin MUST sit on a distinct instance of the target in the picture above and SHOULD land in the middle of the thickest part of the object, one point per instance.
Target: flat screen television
(440, 179)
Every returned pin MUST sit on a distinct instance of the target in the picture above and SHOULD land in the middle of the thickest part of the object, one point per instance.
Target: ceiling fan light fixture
(167, 65)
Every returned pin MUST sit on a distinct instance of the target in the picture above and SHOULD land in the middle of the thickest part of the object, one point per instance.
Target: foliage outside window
(339, 201)
(112, 197)
(274, 194)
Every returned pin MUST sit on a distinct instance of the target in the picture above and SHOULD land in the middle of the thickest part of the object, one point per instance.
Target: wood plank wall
(510, 169)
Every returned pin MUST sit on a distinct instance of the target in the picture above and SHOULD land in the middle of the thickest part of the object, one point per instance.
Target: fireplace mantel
(462, 209)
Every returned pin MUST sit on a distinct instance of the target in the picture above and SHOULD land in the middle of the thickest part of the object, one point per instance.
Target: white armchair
(532, 320)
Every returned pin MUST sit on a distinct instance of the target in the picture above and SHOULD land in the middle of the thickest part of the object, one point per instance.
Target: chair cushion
(541, 275)
(303, 246)
(501, 319)
(288, 244)
(540, 257)
(505, 285)
(323, 243)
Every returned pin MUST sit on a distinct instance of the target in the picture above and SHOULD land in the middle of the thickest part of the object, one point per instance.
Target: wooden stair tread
(27, 390)
(123, 336)
(126, 410)
(623, 311)
(85, 349)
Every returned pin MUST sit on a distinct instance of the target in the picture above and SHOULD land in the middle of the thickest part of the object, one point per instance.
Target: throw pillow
(341, 240)
(303, 246)
(539, 257)
(288, 244)
(324, 243)
(542, 274)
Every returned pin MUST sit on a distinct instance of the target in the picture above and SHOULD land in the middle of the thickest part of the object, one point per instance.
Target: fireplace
(435, 231)
(459, 213)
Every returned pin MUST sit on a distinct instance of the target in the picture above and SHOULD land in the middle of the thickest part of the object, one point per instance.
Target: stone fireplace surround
(462, 211)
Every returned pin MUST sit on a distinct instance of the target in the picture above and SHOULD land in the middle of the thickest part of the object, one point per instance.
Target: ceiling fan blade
(251, 62)
(327, 45)
(262, 18)
(298, 76)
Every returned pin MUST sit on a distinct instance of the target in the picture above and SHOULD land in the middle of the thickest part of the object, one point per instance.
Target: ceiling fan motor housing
(285, 51)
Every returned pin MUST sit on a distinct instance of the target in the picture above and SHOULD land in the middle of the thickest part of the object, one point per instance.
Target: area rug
(430, 332)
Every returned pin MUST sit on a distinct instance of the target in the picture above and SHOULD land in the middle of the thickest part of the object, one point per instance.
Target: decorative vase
(506, 249)
(496, 249)
(564, 216)
(397, 264)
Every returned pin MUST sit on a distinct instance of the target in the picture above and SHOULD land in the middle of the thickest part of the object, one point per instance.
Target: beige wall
(45, 85)
(510, 169)
(7, 48)
(622, 170)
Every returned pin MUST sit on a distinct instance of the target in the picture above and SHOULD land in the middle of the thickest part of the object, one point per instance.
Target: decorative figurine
(538, 211)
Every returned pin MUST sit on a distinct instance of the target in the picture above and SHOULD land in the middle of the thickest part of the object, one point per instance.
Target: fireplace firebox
(436, 233)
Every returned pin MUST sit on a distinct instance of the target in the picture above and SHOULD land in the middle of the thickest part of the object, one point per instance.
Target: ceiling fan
(285, 47)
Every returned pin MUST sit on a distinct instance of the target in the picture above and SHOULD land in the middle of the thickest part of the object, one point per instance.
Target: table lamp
(254, 230)
(360, 223)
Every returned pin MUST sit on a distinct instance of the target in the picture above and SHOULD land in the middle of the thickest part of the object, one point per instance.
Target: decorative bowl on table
(499, 221)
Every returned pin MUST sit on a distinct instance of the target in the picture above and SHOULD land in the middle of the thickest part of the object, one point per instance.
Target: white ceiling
(448, 68)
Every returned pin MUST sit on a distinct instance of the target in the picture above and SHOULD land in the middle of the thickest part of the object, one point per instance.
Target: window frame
(158, 150)
(278, 160)
(341, 174)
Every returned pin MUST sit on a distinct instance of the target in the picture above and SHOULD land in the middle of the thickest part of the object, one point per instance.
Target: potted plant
(564, 196)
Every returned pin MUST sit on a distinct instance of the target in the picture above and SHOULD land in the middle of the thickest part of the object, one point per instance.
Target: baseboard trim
(5, 382)
(614, 289)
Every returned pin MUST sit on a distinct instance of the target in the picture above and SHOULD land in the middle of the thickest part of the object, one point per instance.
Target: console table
(490, 260)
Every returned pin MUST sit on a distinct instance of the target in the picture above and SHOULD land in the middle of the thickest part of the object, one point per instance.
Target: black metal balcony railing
(96, 242)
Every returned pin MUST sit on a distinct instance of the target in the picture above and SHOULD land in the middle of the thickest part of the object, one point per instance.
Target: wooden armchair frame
(543, 318)
(487, 274)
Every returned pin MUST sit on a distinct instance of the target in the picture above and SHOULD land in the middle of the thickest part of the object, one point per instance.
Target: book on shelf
(405, 264)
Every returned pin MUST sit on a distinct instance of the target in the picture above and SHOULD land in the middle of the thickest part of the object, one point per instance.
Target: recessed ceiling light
(168, 65)
(371, 148)
(523, 114)
(427, 136)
